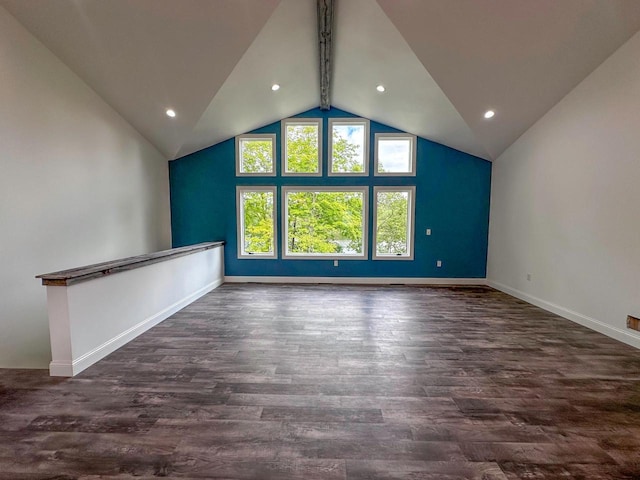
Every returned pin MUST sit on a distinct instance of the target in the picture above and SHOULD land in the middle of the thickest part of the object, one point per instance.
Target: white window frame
(412, 160)
(258, 137)
(300, 121)
(325, 256)
(240, 221)
(367, 140)
(411, 221)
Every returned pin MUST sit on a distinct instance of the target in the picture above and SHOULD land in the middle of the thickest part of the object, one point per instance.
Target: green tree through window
(256, 155)
(392, 222)
(325, 222)
(303, 154)
(345, 155)
(257, 222)
(322, 220)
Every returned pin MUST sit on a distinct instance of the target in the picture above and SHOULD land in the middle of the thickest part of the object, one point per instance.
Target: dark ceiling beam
(325, 31)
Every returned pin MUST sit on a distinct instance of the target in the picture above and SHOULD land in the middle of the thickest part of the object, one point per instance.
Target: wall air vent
(633, 323)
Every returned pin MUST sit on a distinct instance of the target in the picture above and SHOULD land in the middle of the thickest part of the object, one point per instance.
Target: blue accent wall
(452, 199)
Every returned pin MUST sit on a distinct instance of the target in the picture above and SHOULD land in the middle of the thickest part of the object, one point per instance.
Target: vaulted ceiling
(443, 62)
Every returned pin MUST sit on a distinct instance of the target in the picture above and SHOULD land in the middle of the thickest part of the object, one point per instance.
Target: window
(348, 146)
(393, 214)
(302, 148)
(256, 222)
(395, 154)
(255, 154)
(321, 222)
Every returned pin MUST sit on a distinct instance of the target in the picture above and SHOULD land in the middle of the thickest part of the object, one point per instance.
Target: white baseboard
(66, 369)
(60, 369)
(358, 280)
(597, 325)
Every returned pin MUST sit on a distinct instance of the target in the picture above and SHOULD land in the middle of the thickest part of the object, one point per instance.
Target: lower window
(393, 216)
(256, 222)
(321, 222)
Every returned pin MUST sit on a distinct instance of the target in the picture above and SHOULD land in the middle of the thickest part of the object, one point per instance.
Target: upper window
(348, 146)
(393, 217)
(302, 148)
(321, 222)
(256, 222)
(395, 154)
(255, 154)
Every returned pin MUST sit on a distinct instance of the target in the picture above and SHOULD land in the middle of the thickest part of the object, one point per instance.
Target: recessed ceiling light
(489, 114)
(275, 87)
(170, 113)
(380, 88)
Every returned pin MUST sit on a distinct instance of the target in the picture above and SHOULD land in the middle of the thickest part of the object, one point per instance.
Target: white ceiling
(444, 62)
(245, 101)
(371, 51)
(144, 56)
(517, 57)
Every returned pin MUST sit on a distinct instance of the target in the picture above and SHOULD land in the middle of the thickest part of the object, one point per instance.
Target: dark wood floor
(335, 382)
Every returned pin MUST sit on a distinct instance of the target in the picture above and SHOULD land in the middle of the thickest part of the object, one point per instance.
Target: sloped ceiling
(371, 51)
(144, 56)
(517, 57)
(284, 52)
(443, 62)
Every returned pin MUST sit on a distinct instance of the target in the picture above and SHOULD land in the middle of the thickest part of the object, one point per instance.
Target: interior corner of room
(320, 239)
(84, 181)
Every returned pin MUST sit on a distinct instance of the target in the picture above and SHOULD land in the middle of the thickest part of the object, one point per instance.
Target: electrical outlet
(335, 263)
(428, 231)
(528, 277)
(439, 263)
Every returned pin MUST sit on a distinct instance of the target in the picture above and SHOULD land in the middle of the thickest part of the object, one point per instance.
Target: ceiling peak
(325, 32)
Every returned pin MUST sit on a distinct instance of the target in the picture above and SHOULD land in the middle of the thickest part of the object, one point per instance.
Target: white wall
(78, 185)
(565, 203)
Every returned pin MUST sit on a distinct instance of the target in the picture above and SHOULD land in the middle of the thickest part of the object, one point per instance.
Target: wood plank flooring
(337, 382)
